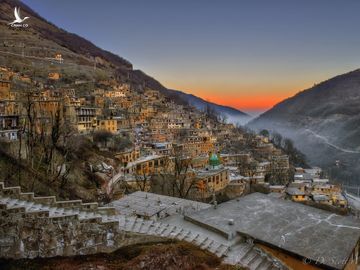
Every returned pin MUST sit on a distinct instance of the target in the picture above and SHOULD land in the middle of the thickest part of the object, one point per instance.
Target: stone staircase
(86, 215)
(150, 227)
(248, 255)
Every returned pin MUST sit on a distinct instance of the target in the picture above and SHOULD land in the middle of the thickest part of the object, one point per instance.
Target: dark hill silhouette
(324, 122)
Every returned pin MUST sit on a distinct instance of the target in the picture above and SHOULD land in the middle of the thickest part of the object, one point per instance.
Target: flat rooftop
(299, 229)
(149, 204)
(211, 171)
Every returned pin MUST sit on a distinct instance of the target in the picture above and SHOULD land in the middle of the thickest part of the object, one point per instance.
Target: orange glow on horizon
(259, 97)
(250, 102)
(245, 96)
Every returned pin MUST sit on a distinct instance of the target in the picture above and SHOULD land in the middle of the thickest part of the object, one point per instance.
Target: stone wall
(36, 233)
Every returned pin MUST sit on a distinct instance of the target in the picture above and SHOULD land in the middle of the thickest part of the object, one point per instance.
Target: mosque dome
(214, 160)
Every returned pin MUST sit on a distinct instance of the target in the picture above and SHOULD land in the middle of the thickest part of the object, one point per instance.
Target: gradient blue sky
(247, 54)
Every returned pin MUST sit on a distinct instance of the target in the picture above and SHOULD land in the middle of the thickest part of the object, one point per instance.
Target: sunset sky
(247, 54)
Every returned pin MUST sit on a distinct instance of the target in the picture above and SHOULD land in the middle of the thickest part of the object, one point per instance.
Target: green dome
(214, 160)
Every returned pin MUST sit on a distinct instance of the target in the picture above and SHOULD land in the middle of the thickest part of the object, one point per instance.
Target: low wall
(30, 235)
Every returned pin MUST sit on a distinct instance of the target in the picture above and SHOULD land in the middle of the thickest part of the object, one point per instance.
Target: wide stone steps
(222, 250)
(266, 265)
(53, 213)
(243, 254)
(208, 242)
(167, 231)
(137, 225)
(247, 255)
(150, 227)
(183, 234)
(76, 205)
(251, 255)
(155, 226)
(175, 232)
(256, 261)
(213, 247)
(160, 229)
(146, 227)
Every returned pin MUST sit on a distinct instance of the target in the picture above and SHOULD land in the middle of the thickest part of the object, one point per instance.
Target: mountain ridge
(324, 122)
(48, 30)
(88, 51)
(233, 115)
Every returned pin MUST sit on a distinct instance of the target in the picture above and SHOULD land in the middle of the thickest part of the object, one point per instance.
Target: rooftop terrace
(294, 228)
(148, 205)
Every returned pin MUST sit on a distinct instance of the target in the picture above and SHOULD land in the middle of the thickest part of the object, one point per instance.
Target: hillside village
(159, 170)
(146, 142)
(96, 157)
(154, 162)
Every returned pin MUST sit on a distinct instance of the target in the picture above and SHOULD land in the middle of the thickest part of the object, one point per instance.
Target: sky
(245, 54)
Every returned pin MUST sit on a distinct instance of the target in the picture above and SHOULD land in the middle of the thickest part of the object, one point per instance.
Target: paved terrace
(301, 230)
(154, 206)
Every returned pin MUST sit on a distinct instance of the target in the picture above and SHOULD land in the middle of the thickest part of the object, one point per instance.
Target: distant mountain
(324, 122)
(50, 32)
(233, 115)
(42, 36)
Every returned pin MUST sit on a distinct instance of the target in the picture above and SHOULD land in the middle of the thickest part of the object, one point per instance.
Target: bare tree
(211, 113)
(102, 137)
(248, 168)
(278, 175)
(182, 183)
(30, 118)
(143, 181)
(277, 139)
(175, 177)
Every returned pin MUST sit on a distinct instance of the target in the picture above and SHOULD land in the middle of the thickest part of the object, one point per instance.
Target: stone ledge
(68, 204)
(13, 192)
(49, 200)
(27, 196)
